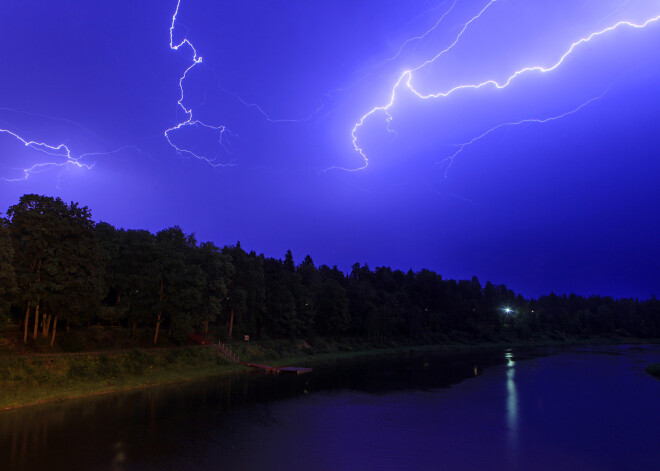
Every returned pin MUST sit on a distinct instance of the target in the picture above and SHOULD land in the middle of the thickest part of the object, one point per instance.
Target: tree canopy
(56, 263)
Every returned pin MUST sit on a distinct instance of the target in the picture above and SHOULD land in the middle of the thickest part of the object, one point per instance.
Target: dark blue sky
(557, 190)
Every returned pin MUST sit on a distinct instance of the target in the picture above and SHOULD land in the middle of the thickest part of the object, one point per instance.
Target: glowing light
(508, 310)
(511, 402)
(509, 359)
(405, 81)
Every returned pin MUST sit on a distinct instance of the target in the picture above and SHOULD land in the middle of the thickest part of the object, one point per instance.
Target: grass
(32, 380)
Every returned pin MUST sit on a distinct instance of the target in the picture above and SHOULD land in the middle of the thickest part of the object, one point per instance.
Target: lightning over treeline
(405, 81)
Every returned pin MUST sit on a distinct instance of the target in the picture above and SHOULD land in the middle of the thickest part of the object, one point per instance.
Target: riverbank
(31, 380)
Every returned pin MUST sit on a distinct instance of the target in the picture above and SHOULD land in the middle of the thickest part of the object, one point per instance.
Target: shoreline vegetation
(33, 379)
(70, 286)
(654, 370)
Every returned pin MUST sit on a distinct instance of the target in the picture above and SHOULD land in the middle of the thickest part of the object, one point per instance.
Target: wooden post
(231, 322)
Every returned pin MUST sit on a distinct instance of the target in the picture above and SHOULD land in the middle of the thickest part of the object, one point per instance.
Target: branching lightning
(61, 155)
(462, 146)
(268, 117)
(62, 151)
(406, 78)
(190, 122)
(423, 35)
(53, 118)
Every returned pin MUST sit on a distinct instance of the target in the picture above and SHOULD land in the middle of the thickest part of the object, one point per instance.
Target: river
(578, 408)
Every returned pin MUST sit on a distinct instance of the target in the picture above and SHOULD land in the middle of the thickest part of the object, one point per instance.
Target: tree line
(58, 266)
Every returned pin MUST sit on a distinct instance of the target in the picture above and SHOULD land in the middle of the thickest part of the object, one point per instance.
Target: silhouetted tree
(8, 286)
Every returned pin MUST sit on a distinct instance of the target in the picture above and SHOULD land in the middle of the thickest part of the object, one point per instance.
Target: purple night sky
(409, 134)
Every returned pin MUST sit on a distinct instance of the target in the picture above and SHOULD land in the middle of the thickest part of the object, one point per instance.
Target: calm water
(571, 409)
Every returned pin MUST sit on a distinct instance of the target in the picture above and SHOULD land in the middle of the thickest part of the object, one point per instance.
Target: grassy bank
(654, 370)
(31, 379)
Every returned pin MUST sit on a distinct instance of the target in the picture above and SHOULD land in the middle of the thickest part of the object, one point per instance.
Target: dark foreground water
(586, 408)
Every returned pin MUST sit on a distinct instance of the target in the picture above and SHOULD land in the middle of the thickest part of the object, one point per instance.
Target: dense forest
(58, 268)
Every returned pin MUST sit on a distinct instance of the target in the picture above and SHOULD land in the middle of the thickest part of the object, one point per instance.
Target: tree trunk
(206, 326)
(160, 312)
(231, 322)
(133, 329)
(157, 328)
(36, 322)
(36, 313)
(52, 340)
(46, 325)
(27, 321)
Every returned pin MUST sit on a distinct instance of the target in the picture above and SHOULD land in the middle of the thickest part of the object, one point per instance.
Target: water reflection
(120, 457)
(511, 403)
(152, 428)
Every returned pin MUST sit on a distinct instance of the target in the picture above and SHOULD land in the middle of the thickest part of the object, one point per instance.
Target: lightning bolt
(406, 78)
(270, 119)
(61, 150)
(53, 118)
(424, 35)
(65, 157)
(462, 146)
(191, 122)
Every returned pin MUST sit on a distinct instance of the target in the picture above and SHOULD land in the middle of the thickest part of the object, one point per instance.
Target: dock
(295, 370)
(226, 351)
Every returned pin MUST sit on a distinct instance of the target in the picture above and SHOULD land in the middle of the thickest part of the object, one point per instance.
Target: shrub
(179, 337)
(221, 360)
(100, 336)
(173, 356)
(654, 370)
(271, 354)
(136, 362)
(70, 341)
(80, 368)
(108, 368)
(45, 376)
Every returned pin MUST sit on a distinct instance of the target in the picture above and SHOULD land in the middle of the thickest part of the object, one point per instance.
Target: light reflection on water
(511, 404)
(512, 410)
